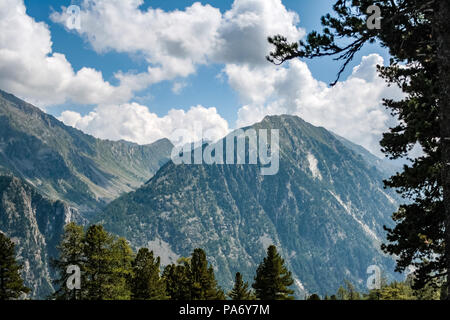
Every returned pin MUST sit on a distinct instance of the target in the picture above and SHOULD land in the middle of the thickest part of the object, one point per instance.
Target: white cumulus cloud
(134, 122)
(174, 43)
(30, 69)
(245, 27)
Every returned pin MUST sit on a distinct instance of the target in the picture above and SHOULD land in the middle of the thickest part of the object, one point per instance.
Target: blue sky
(241, 88)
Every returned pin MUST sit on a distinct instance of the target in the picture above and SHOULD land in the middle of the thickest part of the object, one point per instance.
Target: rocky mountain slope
(66, 164)
(35, 225)
(51, 174)
(325, 210)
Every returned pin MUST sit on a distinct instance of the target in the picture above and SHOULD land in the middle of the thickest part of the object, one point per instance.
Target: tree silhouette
(273, 279)
(11, 284)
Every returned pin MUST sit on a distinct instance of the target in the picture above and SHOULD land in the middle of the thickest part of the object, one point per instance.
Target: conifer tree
(71, 253)
(204, 284)
(315, 296)
(272, 280)
(108, 265)
(392, 291)
(397, 291)
(404, 291)
(192, 279)
(429, 292)
(146, 283)
(11, 283)
(348, 292)
(121, 273)
(98, 267)
(342, 294)
(353, 294)
(240, 290)
(177, 281)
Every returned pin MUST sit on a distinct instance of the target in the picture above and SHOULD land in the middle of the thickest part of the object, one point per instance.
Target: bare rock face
(35, 224)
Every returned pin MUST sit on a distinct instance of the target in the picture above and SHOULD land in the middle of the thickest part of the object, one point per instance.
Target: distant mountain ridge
(325, 210)
(66, 164)
(388, 168)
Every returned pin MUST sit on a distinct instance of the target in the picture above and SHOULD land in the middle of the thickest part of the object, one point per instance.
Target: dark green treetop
(192, 279)
(104, 262)
(240, 290)
(146, 283)
(11, 283)
(273, 279)
(177, 281)
(204, 284)
(315, 296)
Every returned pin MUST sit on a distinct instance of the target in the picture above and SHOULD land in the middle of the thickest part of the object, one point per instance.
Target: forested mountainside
(325, 210)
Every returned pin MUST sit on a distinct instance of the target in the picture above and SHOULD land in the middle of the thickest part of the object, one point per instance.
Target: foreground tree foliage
(178, 282)
(348, 292)
(192, 279)
(315, 297)
(121, 271)
(11, 283)
(204, 284)
(146, 283)
(240, 290)
(104, 261)
(417, 34)
(111, 271)
(71, 252)
(396, 290)
(273, 279)
(107, 260)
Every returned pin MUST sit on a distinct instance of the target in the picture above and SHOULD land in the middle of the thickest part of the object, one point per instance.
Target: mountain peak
(19, 103)
(284, 117)
(324, 201)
